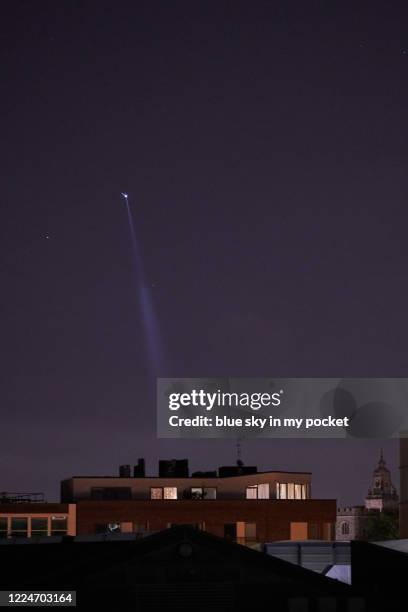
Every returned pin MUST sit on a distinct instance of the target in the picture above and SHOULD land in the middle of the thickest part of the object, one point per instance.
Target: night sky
(264, 149)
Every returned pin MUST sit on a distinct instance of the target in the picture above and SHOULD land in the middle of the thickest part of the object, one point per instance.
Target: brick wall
(272, 517)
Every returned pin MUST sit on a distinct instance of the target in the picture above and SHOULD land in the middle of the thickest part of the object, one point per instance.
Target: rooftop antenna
(240, 463)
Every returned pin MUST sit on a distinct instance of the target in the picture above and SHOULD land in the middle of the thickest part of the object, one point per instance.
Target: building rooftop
(198, 476)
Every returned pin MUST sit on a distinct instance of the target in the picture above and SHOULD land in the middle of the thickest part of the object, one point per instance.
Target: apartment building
(237, 502)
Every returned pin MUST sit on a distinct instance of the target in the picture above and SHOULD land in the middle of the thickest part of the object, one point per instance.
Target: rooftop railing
(20, 498)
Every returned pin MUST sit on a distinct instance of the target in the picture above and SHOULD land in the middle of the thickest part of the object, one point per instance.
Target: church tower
(404, 484)
(382, 494)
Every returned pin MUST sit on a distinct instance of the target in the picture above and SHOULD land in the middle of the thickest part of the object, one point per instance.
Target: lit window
(197, 493)
(260, 491)
(263, 491)
(281, 490)
(252, 492)
(291, 490)
(250, 531)
(203, 493)
(163, 493)
(126, 527)
(170, 493)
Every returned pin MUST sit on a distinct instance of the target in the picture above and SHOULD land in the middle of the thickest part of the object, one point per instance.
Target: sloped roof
(177, 555)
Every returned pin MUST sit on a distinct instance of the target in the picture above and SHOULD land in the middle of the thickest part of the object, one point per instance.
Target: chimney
(124, 471)
(139, 469)
(171, 468)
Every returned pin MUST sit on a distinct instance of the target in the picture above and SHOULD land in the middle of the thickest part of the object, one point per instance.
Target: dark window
(107, 528)
(210, 493)
(58, 525)
(19, 527)
(111, 493)
(230, 531)
(97, 493)
(345, 528)
(198, 526)
(39, 527)
(3, 527)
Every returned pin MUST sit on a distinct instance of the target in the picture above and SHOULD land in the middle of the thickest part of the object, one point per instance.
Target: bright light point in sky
(125, 195)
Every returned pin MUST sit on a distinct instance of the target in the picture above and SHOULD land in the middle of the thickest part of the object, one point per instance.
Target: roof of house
(176, 557)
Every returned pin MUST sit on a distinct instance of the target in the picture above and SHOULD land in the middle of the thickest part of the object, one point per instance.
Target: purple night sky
(264, 148)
